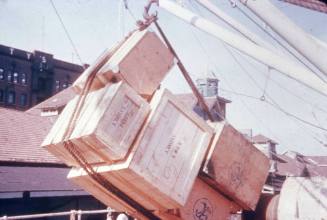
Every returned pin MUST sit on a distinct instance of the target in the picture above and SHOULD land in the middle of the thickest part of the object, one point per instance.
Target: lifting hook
(148, 19)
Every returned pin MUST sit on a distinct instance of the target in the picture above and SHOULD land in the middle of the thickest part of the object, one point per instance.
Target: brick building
(27, 78)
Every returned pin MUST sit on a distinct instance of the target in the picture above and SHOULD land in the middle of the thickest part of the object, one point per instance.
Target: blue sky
(96, 25)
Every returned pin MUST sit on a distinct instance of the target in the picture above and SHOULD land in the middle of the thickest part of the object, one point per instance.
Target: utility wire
(67, 33)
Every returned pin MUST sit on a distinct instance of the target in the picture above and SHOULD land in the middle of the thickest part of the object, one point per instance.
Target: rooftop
(21, 135)
(261, 139)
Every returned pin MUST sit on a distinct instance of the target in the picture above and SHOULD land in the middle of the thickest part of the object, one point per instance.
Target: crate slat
(108, 124)
(235, 166)
(206, 203)
(166, 157)
(142, 61)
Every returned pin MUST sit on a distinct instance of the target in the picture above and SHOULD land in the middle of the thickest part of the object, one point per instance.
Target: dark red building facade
(27, 78)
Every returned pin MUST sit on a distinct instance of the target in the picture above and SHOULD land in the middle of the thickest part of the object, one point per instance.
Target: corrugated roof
(21, 135)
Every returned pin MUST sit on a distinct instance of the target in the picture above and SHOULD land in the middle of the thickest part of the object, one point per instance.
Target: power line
(67, 33)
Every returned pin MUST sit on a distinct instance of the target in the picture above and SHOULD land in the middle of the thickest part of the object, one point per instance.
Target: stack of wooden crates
(143, 139)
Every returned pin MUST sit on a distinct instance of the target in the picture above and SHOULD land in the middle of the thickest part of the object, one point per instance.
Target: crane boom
(288, 30)
(261, 54)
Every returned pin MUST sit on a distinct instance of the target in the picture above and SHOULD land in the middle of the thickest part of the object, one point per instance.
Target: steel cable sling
(76, 154)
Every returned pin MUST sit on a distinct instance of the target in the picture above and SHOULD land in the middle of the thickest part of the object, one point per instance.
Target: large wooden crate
(203, 203)
(79, 83)
(101, 193)
(235, 167)
(142, 61)
(108, 124)
(160, 170)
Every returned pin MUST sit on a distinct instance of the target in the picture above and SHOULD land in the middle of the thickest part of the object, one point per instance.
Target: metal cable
(281, 44)
(76, 154)
(67, 33)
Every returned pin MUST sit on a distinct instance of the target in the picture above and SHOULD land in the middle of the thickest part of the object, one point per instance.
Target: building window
(9, 76)
(2, 74)
(11, 98)
(15, 79)
(57, 85)
(1, 95)
(23, 100)
(64, 85)
(23, 79)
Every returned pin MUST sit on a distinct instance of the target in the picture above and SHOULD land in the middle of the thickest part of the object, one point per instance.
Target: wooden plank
(235, 167)
(206, 203)
(79, 83)
(103, 195)
(142, 61)
(203, 202)
(108, 124)
(166, 157)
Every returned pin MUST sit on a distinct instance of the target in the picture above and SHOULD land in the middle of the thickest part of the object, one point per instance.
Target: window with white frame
(2, 74)
(57, 85)
(9, 76)
(23, 100)
(11, 99)
(15, 79)
(23, 79)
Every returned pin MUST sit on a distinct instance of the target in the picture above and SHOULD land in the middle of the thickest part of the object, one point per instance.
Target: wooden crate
(108, 124)
(142, 61)
(79, 83)
(203, 203)
(236, 167)
(102, 194)
(160, 170)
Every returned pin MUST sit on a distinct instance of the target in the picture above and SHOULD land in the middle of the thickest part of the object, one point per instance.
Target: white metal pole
(293, 34)
(288, 67)
(234, 24)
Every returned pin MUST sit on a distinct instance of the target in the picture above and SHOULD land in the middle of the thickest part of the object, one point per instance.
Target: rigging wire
(129, 10)
(280, 43)
(67, 33)
(273, 102)
(274, 105)
(315, 106)
(249, 110)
